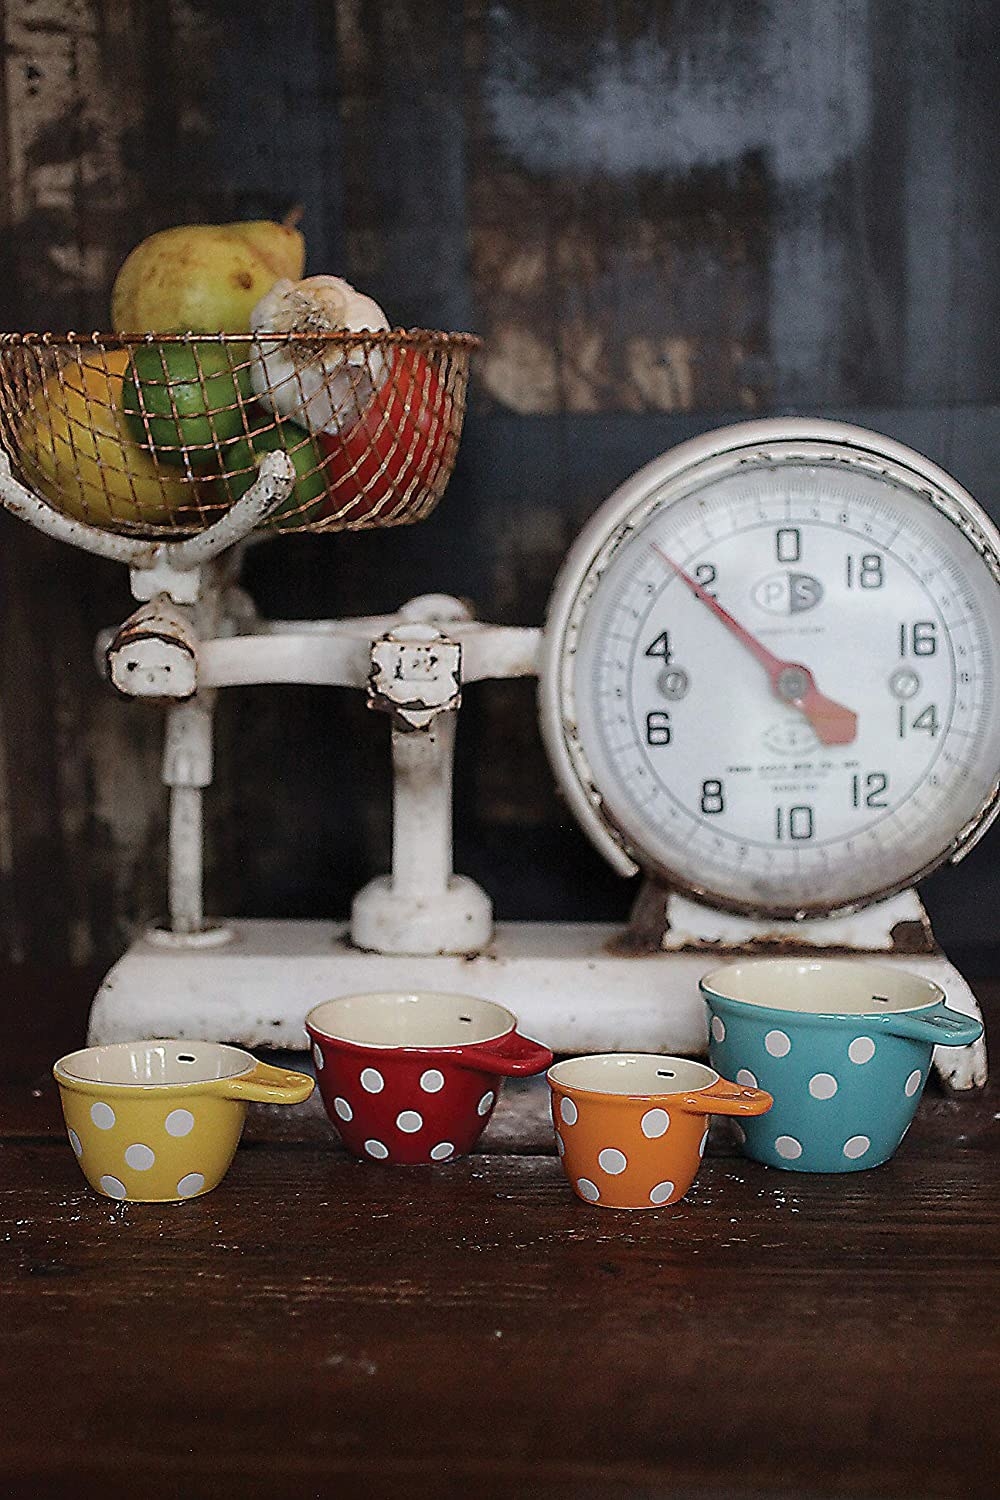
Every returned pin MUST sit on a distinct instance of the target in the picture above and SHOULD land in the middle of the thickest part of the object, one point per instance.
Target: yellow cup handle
(265, 1084)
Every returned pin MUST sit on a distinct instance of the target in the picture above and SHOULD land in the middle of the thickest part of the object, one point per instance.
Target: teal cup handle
(937, 1024)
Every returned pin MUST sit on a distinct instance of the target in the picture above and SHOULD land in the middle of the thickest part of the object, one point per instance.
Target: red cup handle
(724, 1098)
(512, 1055)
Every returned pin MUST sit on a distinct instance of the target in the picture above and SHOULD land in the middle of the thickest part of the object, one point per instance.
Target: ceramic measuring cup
(413, 1077)
(844, 1046)
(159, 1121)
(631, 1127)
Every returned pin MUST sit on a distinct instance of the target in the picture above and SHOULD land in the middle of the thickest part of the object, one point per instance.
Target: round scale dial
(770, 669)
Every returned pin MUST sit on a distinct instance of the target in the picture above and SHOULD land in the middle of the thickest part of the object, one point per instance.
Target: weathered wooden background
(658, 215)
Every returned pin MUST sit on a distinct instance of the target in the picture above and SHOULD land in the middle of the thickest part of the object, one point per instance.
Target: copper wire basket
(158, 435)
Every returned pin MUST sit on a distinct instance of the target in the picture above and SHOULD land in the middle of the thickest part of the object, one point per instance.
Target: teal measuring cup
(844, 1047)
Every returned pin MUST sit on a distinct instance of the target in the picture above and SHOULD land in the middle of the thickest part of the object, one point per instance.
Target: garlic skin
(325, 389)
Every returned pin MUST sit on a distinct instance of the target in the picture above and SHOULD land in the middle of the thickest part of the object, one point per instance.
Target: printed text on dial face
(725, 786)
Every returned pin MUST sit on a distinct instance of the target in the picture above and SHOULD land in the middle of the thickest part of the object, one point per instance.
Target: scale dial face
(770, 670)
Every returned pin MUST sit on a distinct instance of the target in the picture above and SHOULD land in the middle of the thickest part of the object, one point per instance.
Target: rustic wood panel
(320, 1326)
(660, 215)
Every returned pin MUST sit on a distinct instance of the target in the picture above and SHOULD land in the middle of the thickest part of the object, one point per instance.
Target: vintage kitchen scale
(766, 681)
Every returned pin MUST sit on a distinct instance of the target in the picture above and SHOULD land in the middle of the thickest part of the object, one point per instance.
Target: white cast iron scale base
(561, 979)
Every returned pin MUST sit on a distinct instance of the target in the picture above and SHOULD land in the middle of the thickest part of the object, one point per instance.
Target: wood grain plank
(755, 1330)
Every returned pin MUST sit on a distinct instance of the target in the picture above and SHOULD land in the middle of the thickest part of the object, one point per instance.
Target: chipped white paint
(154, 654)
(422, 923)
(187, 769)
(869, 930)
(422, 907)
(559, 978)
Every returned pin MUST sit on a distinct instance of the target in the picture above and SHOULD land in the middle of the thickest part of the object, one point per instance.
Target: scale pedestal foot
(457, 919)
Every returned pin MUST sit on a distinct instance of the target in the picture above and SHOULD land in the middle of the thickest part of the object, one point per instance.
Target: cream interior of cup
(818, 987)
(155, 1064)
(641, 1073)
(418, 1019)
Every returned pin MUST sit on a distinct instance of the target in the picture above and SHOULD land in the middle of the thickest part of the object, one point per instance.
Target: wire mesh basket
(156, 436)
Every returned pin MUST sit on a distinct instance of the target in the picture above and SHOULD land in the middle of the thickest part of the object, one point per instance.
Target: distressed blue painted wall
(660, 216)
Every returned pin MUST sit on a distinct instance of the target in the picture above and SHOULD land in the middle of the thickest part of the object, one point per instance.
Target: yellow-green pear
(204, 277)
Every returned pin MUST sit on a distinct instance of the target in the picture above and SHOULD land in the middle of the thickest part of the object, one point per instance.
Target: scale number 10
(793, 822)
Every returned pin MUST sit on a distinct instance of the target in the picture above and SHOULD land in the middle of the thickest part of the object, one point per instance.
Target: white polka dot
(612, 1161)
(718, 1028)
(704, 1143)
(655, 1122)
(317, 1056)
(179, 1122)
(139, 1158)
(486, 1102)
(372, 1080)
(861, 1050)
(442, 1151)
(856, 1146)
(376, 1149)
(822, 1085)
(190, 1183)
(777, 1044)
(560, 1144)
(788, 1147)
(739, 1133)
(409, 1121)
(748, 1079)
(113, 1187)
(76, 1143)
(661, 1192)
(343, 1109)
(913, 1083)
(432, 1082)
(103, 1117)
(588, 1189)
(569, 1111)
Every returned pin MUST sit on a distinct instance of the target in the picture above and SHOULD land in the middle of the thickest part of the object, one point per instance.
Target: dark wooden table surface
(318, 1327)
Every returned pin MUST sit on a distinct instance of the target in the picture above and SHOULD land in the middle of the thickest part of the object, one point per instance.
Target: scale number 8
(713, 798)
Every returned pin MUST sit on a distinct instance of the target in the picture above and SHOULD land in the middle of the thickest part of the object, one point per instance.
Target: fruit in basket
(325, 386)
(241, 457)
(75, 449)
(203, 278)
(185, 400)
(388, 462)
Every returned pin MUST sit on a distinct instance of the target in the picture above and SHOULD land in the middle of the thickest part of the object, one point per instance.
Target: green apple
(181, 398)
(286, 437)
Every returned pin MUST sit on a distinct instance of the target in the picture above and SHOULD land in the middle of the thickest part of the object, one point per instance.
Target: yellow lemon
(76, 450)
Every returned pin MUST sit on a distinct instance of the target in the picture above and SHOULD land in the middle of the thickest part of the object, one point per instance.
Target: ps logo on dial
(833, 600)
(787, 593)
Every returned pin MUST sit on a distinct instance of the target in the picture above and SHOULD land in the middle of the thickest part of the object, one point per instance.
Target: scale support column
(423, 907)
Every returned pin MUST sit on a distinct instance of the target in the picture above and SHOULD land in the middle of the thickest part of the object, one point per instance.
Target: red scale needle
(790, 681)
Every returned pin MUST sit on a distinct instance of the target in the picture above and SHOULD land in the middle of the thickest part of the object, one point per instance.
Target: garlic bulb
(325, 388)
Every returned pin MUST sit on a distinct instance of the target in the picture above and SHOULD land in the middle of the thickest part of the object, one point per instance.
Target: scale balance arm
(412, 666)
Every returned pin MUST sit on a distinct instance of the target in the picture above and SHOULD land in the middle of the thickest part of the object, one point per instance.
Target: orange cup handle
(724, 1098)
(265, 1084)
